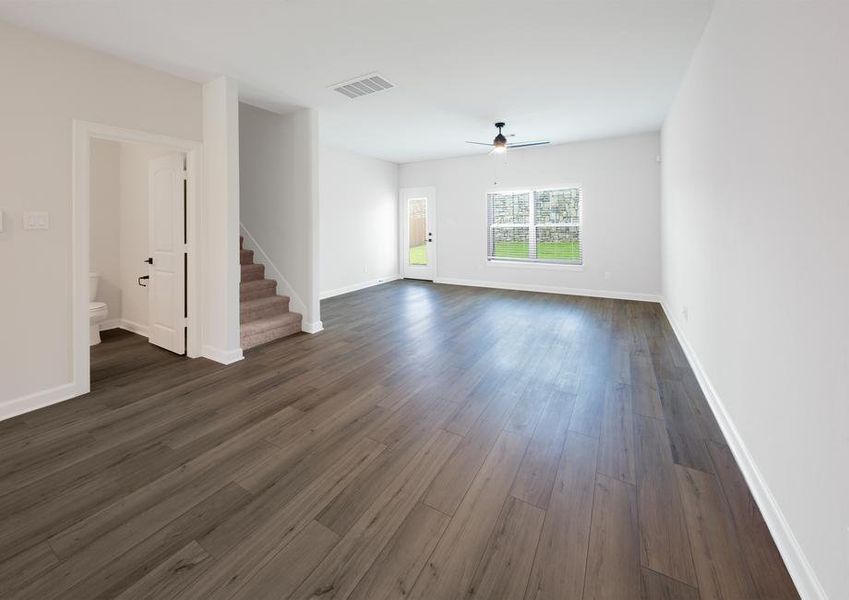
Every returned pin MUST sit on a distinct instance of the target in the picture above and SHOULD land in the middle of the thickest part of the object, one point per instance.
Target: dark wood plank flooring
(433, 442)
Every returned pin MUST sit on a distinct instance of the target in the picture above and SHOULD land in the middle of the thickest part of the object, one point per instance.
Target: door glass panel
(417, 224)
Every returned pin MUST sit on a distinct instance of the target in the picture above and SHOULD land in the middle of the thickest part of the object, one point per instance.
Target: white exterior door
(167, 284)
(418, 226)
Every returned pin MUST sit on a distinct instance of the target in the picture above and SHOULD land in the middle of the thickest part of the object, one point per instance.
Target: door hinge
(184, 175)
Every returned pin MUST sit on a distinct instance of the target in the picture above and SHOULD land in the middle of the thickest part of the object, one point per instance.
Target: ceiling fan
(500, 144)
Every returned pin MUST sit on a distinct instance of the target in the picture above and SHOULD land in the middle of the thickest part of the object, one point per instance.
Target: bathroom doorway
(135, 199)
(137, 242)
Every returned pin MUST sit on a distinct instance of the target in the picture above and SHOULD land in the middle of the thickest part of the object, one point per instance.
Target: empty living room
(427, 300)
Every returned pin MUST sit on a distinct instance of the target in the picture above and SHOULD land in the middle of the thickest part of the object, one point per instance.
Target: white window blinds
(535, 226)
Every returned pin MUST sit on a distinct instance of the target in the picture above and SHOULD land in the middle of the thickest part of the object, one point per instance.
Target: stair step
(246, 257)
(251, 310)
(253, 272)
(241, 242)
(250, 290)
(269, 329)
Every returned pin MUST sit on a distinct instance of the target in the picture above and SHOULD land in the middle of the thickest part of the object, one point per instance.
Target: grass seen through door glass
(418, 255)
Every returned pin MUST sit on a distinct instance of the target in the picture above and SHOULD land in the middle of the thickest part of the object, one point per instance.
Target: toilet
(97, 311)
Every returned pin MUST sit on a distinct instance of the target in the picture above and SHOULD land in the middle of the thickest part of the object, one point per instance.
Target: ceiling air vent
(363, 86)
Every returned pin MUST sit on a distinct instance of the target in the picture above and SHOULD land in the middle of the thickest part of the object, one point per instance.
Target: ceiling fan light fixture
(499, 143)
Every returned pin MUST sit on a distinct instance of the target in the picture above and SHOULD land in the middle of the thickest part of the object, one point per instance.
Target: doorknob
(143, 277)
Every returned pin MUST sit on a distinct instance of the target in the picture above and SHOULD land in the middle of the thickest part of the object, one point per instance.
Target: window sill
(517, 264)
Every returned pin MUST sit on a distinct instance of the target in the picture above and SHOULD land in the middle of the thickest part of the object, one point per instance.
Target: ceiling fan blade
(526, 144)
(480, 143)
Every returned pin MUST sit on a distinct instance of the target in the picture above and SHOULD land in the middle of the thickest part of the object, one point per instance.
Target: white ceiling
(557, 70)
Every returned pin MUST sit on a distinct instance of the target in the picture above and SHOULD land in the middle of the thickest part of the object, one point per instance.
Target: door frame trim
(403, 194)
(83, 133)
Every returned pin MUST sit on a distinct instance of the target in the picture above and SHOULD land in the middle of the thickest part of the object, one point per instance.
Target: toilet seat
(93, 306)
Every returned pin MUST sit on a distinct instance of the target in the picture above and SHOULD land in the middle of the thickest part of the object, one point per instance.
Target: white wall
(621, 198)
(105, 224)
(219, 248)
(50, 83)
(755, 246)
(277, 210)
(306, 135)
(359, 221)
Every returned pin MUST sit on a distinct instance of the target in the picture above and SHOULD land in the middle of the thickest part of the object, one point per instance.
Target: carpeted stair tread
(253, 272)
(246, 257)
(268, 329)
(250, 290)
(251, 310)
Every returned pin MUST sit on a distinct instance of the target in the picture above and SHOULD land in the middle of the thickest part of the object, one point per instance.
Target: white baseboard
(225, 357)
(551, 289)
(313, 327)
(125, 324)
(357, 286)
(110, 324)
(800, 569)
(36, 400)
(135, 327)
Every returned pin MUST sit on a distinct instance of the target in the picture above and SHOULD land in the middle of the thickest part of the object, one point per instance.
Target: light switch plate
(36, 220)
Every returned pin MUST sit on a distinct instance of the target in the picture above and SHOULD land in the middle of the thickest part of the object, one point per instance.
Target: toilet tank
(93, 278)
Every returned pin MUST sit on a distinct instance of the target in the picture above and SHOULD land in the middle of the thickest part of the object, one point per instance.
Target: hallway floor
(433, 442)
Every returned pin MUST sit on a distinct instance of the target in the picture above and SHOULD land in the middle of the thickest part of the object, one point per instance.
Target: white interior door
(418, 226)
(167, 284)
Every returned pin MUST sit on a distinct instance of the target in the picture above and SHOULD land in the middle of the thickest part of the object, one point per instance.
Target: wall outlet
(36, 220)
(685, 313)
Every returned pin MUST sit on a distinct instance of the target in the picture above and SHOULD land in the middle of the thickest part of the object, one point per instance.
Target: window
(417, 216)
(541, 226)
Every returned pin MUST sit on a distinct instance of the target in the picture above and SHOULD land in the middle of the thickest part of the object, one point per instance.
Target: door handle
(143, 277)
(149, 260)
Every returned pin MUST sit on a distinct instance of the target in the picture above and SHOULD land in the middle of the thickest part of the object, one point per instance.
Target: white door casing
(419, 236)
(166, 286)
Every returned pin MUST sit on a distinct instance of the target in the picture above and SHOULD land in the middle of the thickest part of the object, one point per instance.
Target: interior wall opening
(138, 255)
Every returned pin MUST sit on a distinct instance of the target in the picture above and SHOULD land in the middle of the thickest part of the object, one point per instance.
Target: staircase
(264, 316)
